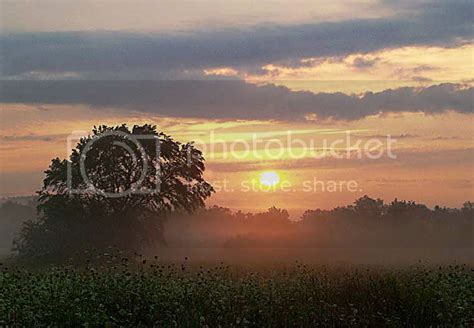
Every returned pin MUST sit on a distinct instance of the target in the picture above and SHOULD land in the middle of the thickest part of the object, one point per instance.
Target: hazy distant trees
(368, 222)
(13, 213)
(115, 189)
(365, 223)
(372, 223)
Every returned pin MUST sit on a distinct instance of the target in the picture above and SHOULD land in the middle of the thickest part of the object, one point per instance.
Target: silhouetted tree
(368, 208)
(468, 207)
(116, 189)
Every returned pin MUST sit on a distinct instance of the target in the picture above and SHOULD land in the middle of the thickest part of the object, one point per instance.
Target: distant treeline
(13, 213)
(365, 223)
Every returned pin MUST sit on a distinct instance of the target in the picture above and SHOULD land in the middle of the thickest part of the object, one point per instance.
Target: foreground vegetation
(124, 293)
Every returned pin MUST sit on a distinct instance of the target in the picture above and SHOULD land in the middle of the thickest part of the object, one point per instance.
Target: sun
(269, 178)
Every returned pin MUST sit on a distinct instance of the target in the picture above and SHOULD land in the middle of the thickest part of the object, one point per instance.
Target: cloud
(450, 183)
(424, 68)
(123, 55)
(384, 136)
(421, 79)
(236, 99)
(444, 138)
(364, 63)
(33, 137)
(407, 159)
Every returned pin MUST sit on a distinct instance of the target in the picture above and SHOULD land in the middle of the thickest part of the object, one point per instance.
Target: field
(151, 293)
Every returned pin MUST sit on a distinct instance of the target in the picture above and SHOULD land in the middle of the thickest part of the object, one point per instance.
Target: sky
(259, 86)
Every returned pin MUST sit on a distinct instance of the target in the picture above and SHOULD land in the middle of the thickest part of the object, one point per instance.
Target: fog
(366, 232)
(341, 235)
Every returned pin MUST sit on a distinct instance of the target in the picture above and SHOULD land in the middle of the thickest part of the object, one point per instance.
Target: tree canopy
(116, 188)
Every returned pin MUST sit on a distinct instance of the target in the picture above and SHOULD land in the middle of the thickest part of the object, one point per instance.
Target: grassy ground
(150, 293)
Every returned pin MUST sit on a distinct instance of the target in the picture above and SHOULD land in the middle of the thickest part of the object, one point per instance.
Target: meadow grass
(121, 292)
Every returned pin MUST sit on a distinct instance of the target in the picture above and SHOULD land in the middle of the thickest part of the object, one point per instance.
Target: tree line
(368, 222)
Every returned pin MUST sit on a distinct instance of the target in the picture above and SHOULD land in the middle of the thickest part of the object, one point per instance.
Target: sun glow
(269, 178)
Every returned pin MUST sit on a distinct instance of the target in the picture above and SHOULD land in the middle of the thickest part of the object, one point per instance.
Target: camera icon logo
(114, 164)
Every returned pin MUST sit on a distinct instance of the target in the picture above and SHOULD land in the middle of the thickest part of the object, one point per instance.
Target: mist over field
(368, 232)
